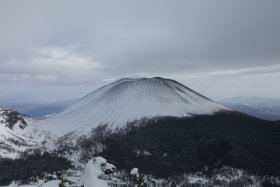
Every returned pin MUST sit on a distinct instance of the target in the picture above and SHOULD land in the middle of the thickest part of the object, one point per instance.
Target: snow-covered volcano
(131, 99)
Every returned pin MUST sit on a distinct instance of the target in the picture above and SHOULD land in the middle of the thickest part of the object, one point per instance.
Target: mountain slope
(128, 100)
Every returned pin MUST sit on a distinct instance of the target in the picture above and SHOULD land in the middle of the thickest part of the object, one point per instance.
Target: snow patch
(134, 171)
(54, 183)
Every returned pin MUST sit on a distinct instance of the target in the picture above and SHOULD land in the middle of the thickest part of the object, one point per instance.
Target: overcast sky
(58, 50)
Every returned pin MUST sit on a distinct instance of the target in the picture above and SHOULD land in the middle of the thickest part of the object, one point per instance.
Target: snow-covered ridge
(127, 100)
(16, 133)
(12, 119)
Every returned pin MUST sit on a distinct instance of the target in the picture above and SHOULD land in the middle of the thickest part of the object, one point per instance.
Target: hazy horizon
(27, 102)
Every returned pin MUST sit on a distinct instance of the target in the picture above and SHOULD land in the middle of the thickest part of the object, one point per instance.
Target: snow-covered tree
(137, 178)
(95, 168)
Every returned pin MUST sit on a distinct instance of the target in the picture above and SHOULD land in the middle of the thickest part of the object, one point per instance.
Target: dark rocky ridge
(11, 118)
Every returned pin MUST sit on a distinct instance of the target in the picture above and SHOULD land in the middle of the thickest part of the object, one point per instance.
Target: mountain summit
(131, 99)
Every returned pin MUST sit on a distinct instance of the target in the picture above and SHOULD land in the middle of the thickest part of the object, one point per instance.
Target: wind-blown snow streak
(130, 99)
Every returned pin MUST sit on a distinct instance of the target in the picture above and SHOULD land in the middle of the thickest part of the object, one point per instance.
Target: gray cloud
(86, 43)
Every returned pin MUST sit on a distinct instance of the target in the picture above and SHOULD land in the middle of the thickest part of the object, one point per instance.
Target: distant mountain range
(260, 107)
(40, 111)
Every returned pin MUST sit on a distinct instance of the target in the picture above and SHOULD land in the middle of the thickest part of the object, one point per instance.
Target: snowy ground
(97, 172)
